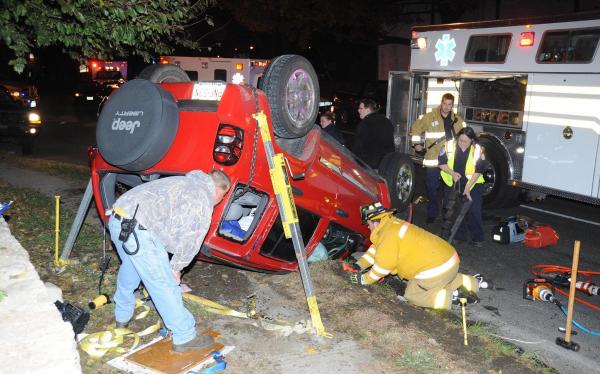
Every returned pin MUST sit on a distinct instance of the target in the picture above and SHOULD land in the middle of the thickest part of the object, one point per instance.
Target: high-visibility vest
(475, 153)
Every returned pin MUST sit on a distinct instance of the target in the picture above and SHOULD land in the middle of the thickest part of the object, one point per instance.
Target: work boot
(462, 292)
(123, 325)
(198, 343)
(484, 284)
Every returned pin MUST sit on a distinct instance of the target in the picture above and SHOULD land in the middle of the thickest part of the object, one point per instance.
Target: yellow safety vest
(475, 154)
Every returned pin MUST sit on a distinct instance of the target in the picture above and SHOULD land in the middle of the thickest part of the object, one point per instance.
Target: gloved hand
(351, 268)
(356, 278)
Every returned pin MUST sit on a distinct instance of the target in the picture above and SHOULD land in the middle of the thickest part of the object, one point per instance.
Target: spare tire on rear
(164, 73)
(137, 125)
(292, 88)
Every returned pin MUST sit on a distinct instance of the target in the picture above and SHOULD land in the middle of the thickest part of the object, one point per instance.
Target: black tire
(27, 145)
(497, 193)
(164, 73)
(292, 88)
(398, 170)
(137, 125)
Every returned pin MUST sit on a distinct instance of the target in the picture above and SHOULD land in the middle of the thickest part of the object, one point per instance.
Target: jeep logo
(121, 125)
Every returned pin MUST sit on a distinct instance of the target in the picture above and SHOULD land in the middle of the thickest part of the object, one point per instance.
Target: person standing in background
(374, 135)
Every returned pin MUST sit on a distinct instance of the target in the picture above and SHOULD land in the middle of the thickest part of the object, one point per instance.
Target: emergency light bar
(526, 39)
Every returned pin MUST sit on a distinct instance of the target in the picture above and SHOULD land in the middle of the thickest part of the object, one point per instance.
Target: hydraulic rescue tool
(538, 289)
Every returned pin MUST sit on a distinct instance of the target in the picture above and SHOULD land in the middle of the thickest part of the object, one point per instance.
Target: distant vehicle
(110, 78)
(231, 70)
(27, 93)
(95, 67)
(89, 94)
(529, 88)
(18, 122)
(164, 124)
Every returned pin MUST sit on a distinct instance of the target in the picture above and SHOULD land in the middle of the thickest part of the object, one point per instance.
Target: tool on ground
(289, 217)
(559, 276)
(566, 342)
(540, 236)
(220, 365)
(99, 301)
(76, 316)
(4, 207)
(538, 289)
(463, 304)
(509, 231)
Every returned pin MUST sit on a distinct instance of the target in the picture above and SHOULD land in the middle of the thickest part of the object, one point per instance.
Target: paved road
(535, 324)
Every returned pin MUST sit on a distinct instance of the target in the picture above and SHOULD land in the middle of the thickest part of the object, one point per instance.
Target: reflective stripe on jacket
(475, 154)
(430, 127)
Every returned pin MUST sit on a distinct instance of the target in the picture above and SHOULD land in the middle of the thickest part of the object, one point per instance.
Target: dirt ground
(373, 332)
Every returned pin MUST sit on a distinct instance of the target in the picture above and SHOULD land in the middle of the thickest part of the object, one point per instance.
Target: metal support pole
(79, 218)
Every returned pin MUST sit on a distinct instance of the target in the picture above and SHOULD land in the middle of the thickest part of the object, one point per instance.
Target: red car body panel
(329, 188)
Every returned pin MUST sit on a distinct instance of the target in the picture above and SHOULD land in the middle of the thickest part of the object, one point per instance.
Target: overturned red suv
(162, 124)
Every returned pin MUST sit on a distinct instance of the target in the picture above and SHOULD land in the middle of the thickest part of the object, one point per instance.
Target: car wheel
(292, 88)
(164, 73)
(398, 170)
(137, 125)
(27, 145)
(497, 192)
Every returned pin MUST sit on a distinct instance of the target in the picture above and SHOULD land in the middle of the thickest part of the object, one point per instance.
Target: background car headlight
(34, 118)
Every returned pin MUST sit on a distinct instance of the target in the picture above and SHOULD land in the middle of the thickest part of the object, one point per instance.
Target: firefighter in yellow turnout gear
(429, 134)
(427, 262)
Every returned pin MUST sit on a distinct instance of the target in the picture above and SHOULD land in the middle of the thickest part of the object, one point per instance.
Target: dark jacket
(335, 133)
(374, 139)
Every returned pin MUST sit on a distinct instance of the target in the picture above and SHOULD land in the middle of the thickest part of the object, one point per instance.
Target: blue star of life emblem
(444, 50)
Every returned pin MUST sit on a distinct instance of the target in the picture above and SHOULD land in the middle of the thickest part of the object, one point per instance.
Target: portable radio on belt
(127, 228)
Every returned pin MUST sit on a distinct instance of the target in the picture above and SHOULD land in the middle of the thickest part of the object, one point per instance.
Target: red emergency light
(526, 39)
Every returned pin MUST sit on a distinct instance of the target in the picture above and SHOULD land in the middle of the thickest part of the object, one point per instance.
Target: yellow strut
(289, 218)
(57, 261)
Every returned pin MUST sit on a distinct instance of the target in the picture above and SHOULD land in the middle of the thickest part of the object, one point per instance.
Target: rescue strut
(289, 217)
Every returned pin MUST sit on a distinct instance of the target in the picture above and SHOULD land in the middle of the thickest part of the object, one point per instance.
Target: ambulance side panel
(562, 122)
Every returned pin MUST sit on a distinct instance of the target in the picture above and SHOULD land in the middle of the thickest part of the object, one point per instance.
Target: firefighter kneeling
(427, 262)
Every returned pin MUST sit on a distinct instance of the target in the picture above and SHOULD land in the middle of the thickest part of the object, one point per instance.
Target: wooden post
(574, 268)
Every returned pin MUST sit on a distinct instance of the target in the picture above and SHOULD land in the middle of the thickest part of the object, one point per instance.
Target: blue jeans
(472, 222)
(151, 266)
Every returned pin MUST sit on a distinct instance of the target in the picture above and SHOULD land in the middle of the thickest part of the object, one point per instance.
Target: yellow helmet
(373, 211)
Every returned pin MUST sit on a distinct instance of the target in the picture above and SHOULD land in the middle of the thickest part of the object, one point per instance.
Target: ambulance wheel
(398, 170)
(497, 192)
(137, 125)
(164, 73)
(292, 87)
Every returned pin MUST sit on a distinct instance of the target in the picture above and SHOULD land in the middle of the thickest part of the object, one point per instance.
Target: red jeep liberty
(163, 124)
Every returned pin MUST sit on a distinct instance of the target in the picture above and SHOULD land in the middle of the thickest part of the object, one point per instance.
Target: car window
(276, 245)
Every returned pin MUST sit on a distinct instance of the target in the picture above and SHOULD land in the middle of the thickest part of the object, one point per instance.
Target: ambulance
(529, 88)
(230, 70)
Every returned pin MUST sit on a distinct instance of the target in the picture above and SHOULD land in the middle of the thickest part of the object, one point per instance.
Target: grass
(32, 221)
(56, 168)
(418, 361)
(383, 328)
